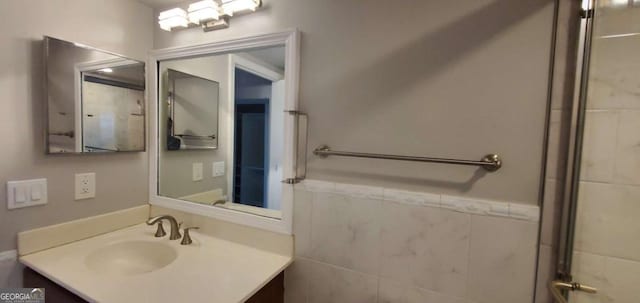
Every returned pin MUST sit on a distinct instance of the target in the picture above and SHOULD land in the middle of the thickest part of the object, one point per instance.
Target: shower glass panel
(606, 235)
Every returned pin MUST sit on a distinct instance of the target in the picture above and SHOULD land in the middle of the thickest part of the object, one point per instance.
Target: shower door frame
(574, 152)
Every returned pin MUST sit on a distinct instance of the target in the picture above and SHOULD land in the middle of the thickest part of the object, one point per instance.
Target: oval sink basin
(130, 258)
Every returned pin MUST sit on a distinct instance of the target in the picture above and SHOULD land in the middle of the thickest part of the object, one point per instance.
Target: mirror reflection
(95, 100)
(221, 130)
(192, 102)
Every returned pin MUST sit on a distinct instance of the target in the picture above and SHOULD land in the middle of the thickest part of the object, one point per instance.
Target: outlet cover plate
(218, 169)
(85, 186)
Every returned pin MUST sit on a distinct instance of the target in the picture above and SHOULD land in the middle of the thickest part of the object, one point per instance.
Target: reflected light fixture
(229, 7)
(203, 11)
(106, 70)
(172, 18)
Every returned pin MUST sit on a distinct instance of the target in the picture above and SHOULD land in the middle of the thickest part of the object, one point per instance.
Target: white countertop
(208, 270)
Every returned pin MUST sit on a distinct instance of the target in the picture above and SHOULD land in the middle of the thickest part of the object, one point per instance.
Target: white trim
(288, 38)
(474, 206)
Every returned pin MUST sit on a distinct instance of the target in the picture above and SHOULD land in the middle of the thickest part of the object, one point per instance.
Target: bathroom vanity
(222, 143)
(130, 264)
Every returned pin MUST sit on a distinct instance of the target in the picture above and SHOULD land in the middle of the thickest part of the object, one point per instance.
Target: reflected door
(604, 248)
(250, 143)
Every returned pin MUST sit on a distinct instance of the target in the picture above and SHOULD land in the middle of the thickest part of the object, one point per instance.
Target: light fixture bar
(212, 25)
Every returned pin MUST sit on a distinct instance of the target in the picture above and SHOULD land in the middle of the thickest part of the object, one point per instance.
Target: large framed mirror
(222, 142)
(95, 100)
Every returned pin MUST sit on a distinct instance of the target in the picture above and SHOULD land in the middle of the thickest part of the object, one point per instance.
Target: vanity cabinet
(53, 292)
(273, 292)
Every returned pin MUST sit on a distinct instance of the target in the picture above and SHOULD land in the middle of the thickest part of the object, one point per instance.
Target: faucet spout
(175, 228)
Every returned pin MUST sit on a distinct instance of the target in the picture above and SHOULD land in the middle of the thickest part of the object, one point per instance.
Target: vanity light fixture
(203, 11)
(229, 7)
(210, 14)
(173, 18)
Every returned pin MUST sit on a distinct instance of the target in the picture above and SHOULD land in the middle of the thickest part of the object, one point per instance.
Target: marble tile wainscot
(358, 243)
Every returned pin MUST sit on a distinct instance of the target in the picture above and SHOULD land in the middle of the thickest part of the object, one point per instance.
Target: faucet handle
(186, 239)
(160, 231)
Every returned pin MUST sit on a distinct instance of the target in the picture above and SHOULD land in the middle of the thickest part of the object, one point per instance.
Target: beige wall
(116, 25)
(455, 79)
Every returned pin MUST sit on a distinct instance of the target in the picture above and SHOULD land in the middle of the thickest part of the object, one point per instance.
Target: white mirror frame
(290, 39)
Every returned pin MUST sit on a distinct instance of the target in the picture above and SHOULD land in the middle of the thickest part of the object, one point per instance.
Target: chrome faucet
(175, 227)
(186, 240)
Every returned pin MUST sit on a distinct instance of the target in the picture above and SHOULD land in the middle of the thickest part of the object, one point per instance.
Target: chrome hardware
(186, 239)
(491, 162)
(175, 228)
(292, 180)
(300, 146)
(586, 13)
(557, 287)
(218, 202)
(69, 134)
(160, 231)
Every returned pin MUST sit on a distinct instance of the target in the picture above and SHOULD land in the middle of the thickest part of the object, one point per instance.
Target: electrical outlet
(85, 186)
(197, 171)
(218, 169)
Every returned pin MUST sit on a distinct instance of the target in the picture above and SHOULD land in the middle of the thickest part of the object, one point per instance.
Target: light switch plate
(218, 169)
(26, 193)
(85, 186)
(197, 171)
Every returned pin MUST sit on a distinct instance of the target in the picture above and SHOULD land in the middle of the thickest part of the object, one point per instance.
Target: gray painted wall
(455, 79)
(120, 26)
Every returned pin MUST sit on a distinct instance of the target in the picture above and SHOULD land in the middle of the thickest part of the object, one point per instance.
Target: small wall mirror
(95, 100)
(224, 141)
(192, 111)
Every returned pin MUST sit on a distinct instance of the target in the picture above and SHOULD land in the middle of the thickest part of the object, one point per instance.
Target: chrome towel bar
(491, 162)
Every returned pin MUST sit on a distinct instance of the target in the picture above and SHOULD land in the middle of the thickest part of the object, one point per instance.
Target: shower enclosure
(599, 253)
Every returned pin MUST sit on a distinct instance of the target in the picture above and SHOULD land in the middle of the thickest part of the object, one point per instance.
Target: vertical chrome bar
(300, 146)
(572, 178)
